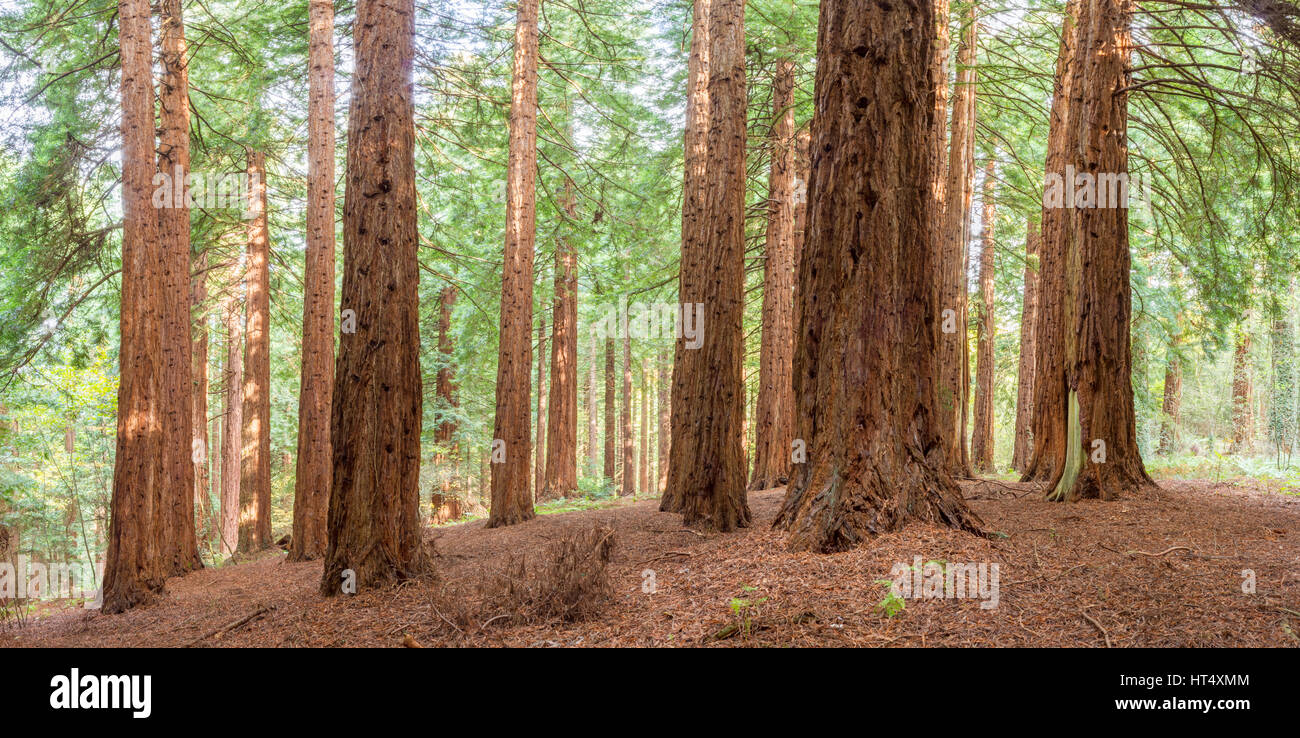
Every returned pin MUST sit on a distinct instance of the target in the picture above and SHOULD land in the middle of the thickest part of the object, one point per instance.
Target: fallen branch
(1162, 553)
(1096, 625)
(231, 626)
(663, 556)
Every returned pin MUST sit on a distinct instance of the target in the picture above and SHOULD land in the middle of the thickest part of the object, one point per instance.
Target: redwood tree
(562, 431)
(982, 431)
(1102, 457)
(775, 419)
(445, 503)
(1025, 375)
(135, 564)
(315, 462)
(176, 530)
(953, 361)
(875, 456)
(694, 226)
(707, 475)
(511, 501)
(255, 482)
(1049, 397)
(374, 504)
(233, 428)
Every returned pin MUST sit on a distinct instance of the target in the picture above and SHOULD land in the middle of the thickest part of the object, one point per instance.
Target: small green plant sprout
(742, 608)
(892, 604)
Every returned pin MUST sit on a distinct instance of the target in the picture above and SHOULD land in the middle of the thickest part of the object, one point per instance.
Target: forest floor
(1161, 569)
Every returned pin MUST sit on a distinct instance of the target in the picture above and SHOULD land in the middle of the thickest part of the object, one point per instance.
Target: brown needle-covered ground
(1164, 569)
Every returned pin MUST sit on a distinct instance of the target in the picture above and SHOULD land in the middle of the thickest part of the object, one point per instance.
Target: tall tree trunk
(643, 474)
(176, 529)
(1102, 455)
(593, 416)
(953, 363)
(1050, 396)
(199, 445)
(611, 443)
(136, 563)
(233, 430)
(627, 479)
(1173, 400)
(539, 476)
(1025, 376)
(875, 457)
(1243, 422)
(445, 502)
(255, 485)
(982, 432)
(315, 453)
(665, 420)
(511, 501)
(695, 183)
(562, 434)
(775, 419)
(707, 471)
(377, 410)
(1282, 397)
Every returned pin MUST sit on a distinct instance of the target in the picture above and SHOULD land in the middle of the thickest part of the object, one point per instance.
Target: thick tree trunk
(875, 457)
(539, 454)
(774, 418)
(562, 421)
(611, 443)
(1282, 397)
(374, 504)
(233, 430)
(136, 562)
(707, 471)
(1103, 460)
(982, 432)
(1243, 422)
(315, 453)
(444, 500)
(177, 528)
(953, 363)
(255, 485)
(695, 183)
(1025, 378)
(1172, 404)
(511, 501)
(1050, 402)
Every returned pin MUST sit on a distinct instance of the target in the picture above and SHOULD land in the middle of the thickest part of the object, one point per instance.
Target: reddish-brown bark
(1025, 376)
(233, 427)
(176, 529)
(1098, 359)
(707, 474)
(539, 453)
(255, 482)
(953, 362)
(377, 409)
(982, 431)
(774, 418)
(1050, 394)
(562, 421)
(695, 184)
(511, 501)
(444, 500)
(136, 562)
(1243, 425)
(315, 452)
(875, 458)
(611, 444)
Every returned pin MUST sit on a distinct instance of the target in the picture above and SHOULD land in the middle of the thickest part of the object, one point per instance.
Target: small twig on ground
(1096, 625)
(1162, 553)
(663, 556)
(491, 620)
(231, 626)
